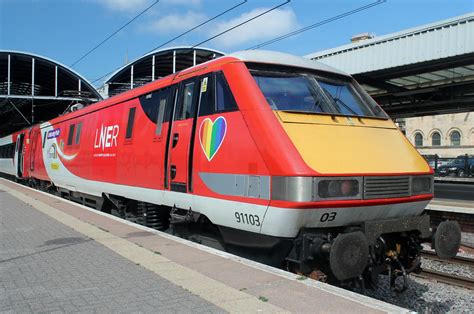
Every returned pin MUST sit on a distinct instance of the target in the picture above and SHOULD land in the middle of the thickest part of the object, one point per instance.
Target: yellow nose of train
(336, 145)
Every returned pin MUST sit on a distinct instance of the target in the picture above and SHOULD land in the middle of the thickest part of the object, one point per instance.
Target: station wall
(447, 135)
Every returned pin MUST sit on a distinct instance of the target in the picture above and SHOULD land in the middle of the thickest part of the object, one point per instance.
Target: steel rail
(450, 279)
(456, 260)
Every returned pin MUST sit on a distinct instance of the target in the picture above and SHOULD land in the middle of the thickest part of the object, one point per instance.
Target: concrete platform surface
(58, 256)
(454, 179)
(454, 206)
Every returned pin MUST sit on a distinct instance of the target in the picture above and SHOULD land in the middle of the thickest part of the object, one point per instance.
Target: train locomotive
(284, 158)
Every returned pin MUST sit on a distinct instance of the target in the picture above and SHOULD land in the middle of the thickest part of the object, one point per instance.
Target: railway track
(450, 279)
(446, 278)
(457, 260)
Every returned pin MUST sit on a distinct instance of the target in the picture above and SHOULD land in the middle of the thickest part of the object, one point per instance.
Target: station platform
(58, 256)
(454, 180)
(454, 206)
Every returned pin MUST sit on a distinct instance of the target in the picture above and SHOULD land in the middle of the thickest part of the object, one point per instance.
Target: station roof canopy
(154, 65)
(420, 71)
(34, 89)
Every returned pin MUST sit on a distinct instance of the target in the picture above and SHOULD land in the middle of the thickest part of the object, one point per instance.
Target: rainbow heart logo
(211, 135)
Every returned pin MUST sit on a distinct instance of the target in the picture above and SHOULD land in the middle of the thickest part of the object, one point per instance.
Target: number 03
(326, 217)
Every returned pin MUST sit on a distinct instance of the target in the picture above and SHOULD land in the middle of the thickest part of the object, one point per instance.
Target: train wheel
(447, 239)
(349, 255)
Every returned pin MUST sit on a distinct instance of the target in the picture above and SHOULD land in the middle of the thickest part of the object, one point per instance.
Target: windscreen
(310, 93)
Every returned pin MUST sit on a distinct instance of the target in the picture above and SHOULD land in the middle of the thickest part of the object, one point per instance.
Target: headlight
(313, 189)
(453, 168)
(340, 188)
(421, 185)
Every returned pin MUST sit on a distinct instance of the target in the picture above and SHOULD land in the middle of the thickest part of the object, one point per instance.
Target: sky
(64, 30)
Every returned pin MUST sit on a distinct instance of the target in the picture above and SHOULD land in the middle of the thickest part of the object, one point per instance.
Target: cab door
(181, 136)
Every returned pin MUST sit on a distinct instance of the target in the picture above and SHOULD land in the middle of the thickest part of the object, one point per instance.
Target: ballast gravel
(453, 269)
(425, 296)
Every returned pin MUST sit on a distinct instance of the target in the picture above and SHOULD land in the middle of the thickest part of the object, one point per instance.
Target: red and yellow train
(281, 156)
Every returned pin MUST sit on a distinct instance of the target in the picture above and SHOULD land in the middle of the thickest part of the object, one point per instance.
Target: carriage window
(71, 134)
(7, 151)
(131, 120)
(78, 133)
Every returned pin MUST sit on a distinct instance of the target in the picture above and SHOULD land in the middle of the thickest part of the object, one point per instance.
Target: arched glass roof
(34, 88)
(154, 65)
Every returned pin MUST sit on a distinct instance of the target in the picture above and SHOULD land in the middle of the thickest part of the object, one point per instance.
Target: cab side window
(207, 103)
(216, 97)
(224, 99)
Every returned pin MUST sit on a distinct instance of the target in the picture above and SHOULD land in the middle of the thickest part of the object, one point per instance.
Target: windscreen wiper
(338, 100)
(317, 104)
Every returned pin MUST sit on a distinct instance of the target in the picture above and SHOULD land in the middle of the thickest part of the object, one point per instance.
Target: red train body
(221, 144)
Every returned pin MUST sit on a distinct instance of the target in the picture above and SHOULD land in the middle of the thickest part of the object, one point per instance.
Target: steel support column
(32, 76)
(153, 68)
(8, 75)
(131, 77)
(174, 61)
(56, 81)
(32, 90)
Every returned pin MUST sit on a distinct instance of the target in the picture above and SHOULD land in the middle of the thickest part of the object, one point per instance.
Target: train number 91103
(248, 219)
